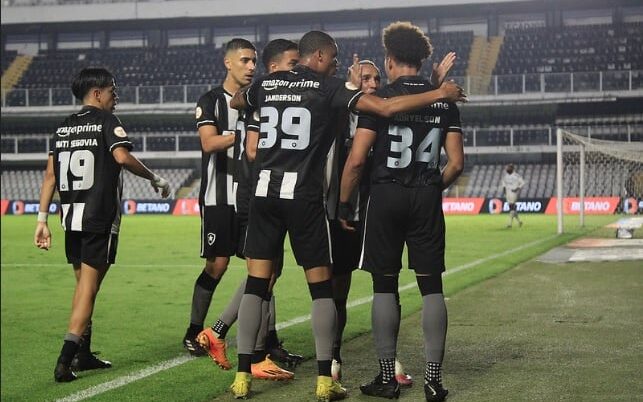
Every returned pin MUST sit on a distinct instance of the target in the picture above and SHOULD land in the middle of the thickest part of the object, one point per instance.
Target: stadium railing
(515, 84)
(528, 138)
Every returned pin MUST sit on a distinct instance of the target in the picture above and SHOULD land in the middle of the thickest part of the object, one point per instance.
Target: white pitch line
(177, 361)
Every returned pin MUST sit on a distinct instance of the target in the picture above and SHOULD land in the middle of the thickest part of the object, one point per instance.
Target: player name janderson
(283, 98)
(79, 129)
(83, 142)
(417, 118)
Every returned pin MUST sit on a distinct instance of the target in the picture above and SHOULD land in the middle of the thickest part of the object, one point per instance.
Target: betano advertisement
(450, 206)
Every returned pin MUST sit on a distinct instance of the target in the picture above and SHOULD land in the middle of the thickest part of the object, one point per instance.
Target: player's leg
(426, 243)
(310, 240)
(384, 231)
(274, 346)
(266, 232)
(82, 250)
(218, 243)
(516, 214)
(434, 326)
(346, 252)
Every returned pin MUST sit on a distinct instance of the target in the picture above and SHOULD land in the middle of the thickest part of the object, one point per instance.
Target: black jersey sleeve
(115, 134)
(368, 121)
(204, 112)
(252, 93)
(454, 124)
(341, 95)
(252, 119)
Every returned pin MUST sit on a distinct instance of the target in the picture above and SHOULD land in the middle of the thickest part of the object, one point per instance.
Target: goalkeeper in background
(512, 183)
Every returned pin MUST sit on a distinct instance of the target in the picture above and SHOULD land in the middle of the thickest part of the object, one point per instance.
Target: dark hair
(274, 50)
(406, 43)
(88, 78)
(314, 41)
(239, 43)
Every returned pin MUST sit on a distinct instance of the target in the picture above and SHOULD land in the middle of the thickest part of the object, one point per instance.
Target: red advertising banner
(5, 206)
(462, 206)
(593, 205)
(186, 206)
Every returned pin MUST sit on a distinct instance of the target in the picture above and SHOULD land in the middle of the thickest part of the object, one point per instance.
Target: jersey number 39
(295, 123)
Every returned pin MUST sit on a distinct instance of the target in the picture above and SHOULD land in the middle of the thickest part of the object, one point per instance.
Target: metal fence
(577, 82)
(515, 136)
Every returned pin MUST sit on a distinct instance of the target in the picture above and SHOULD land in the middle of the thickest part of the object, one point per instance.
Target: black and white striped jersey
(213, 108)
(242, 166)
(88, 179)
(297, 111)
(407, 147)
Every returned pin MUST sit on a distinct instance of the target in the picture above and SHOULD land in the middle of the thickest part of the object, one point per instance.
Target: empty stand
(25, 184)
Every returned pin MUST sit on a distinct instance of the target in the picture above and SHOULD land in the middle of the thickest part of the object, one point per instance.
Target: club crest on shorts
(211, 238)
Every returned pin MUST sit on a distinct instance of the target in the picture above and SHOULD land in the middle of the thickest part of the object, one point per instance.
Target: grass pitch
(143, 308)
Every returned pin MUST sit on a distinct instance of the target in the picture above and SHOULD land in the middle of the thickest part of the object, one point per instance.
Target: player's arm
(441, 71)
(448, 91)
(211, 141)
(352, 174)
(252, 143)
(454, 149)
(123, 157)
(42, 236)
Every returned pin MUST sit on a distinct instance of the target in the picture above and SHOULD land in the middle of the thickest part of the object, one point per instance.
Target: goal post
(594, 169)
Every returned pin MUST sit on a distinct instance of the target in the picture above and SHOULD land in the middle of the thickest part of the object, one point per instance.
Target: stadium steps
(183, 192)
(14, 72)
(482, 60)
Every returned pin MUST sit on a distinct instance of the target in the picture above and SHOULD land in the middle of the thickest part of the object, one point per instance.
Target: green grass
(143, 308)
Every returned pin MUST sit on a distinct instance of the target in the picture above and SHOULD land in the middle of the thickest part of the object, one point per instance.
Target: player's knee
(321, 290)
(207, 281)
(257, 286)
(429, 284)
(385, 284)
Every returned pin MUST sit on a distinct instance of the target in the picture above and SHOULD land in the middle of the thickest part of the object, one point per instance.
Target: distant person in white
(512, 183)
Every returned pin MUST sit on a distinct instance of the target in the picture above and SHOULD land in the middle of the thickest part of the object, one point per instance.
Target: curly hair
(406, 43)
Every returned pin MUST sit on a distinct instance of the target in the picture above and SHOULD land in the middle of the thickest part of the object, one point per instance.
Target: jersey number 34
(426, 152)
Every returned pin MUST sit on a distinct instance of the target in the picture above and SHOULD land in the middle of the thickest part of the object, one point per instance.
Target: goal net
(595, 175)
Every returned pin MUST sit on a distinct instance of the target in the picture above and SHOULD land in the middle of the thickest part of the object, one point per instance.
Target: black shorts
(242, 208)
(305, 221)
(219, 231)
(346, 246)
(396, 215)
(94, 249)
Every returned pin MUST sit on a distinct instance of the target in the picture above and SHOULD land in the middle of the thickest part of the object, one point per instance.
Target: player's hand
(346, 225)
(42, 236)
(344, 212)
(453, 92)
(441, 71)
(354, 77)
(160, 183)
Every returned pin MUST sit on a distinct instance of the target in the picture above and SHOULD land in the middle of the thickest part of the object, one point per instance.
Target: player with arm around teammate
(278, 55)
(84, 165)
(295, 136)
(405, 206)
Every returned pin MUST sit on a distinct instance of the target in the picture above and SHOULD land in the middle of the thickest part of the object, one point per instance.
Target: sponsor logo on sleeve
(198, 112)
